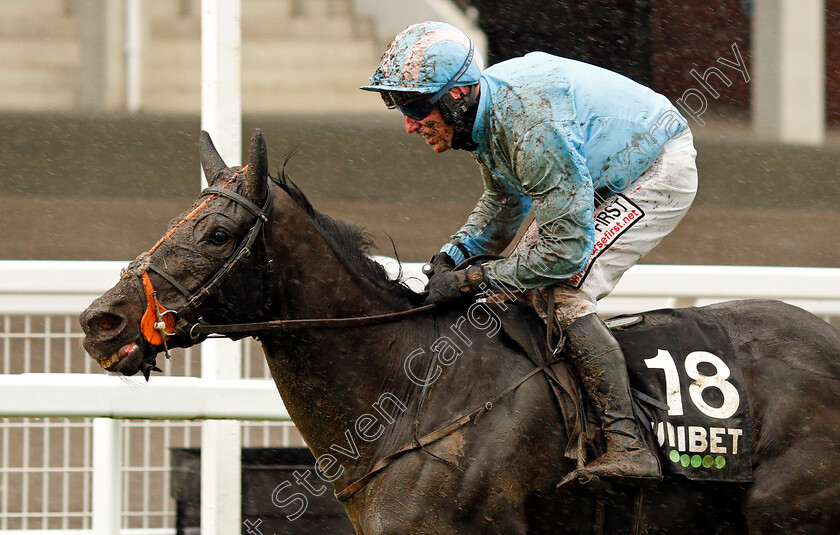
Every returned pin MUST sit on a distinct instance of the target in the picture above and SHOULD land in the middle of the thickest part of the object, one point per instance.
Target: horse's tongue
(127, 348)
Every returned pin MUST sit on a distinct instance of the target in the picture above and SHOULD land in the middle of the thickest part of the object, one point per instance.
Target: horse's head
(166, 290)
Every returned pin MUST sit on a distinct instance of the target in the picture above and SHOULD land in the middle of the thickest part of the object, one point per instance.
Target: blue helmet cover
(424, 58)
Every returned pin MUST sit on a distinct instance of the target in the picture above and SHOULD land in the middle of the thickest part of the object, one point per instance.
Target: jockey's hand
(439, 263)
(452, 285)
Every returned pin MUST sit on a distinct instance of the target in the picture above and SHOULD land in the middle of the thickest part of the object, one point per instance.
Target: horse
(429, 420)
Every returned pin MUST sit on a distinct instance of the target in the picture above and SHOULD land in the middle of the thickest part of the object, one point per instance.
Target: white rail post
(221, 90)
(221, 116)
(101, 63)
(788, 94)
(133, 55)
(107, 476)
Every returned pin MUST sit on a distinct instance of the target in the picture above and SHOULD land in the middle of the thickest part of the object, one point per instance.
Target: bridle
(159, 323)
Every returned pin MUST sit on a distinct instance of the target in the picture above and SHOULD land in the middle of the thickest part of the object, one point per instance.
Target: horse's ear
(211, 161)
(256, 180)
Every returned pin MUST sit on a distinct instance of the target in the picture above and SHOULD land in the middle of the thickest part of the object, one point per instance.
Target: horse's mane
(350, 242)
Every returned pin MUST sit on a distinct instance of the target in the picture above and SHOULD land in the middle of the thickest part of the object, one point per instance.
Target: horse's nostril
(107, 322)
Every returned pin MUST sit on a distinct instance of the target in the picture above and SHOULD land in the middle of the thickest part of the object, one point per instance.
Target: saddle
(688, 393)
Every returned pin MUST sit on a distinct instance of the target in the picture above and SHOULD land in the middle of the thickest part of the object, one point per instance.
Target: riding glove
(441, 262)
(451, 285)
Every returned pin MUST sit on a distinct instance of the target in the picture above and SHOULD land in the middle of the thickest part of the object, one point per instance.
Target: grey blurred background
(94, 162)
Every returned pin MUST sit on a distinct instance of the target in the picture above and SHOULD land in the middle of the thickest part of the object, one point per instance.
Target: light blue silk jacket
(556, 136)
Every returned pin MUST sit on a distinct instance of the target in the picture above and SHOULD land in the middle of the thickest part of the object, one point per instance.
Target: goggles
(415, 106)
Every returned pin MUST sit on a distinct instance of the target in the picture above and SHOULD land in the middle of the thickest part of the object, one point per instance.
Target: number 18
(665, 362)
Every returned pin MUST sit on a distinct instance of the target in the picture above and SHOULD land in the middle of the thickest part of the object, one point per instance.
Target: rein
(159, 323)
(326, 323)
(361, 321)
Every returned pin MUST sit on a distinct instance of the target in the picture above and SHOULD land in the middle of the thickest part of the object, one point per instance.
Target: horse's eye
(218, 237)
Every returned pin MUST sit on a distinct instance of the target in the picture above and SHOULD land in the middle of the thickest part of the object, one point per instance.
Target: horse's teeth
(107, 362)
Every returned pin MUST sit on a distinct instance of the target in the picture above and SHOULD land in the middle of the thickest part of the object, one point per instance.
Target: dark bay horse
(252, 250)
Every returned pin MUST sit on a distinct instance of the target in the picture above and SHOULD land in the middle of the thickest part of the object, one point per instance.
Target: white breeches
(627, 226)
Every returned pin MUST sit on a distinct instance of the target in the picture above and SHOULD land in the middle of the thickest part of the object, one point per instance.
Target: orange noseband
(157, 323)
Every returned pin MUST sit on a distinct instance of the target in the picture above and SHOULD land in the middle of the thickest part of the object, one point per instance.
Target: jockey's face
(438, 134)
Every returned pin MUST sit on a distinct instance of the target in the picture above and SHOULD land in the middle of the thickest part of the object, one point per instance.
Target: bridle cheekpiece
(159, 323)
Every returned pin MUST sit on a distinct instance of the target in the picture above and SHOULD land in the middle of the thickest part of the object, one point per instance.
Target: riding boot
(598, 358)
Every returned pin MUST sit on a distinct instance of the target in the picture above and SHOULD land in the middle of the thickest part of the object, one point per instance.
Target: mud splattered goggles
(415, 106)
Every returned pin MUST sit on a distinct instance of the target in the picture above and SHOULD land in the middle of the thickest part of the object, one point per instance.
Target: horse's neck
(330, 378)
(356, 393)
(346, 391)
(313, 280)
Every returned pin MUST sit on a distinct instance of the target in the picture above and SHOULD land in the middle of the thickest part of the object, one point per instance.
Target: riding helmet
(427, 58)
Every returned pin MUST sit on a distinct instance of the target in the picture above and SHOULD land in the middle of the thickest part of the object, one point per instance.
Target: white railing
(65, 288)
(61, 287)
(47, 416)
(109, 400)
(646, 287)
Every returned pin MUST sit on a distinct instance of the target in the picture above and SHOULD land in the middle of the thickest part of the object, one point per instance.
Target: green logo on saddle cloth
(696, 461)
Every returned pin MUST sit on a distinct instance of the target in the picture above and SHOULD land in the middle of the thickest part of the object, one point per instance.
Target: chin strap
(460, 112)
(462, 140)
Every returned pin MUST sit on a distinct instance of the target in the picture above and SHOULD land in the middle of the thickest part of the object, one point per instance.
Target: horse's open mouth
(127, 360)
(131, 358)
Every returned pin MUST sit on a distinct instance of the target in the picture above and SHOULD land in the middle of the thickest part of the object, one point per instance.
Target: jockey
(605, 165)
